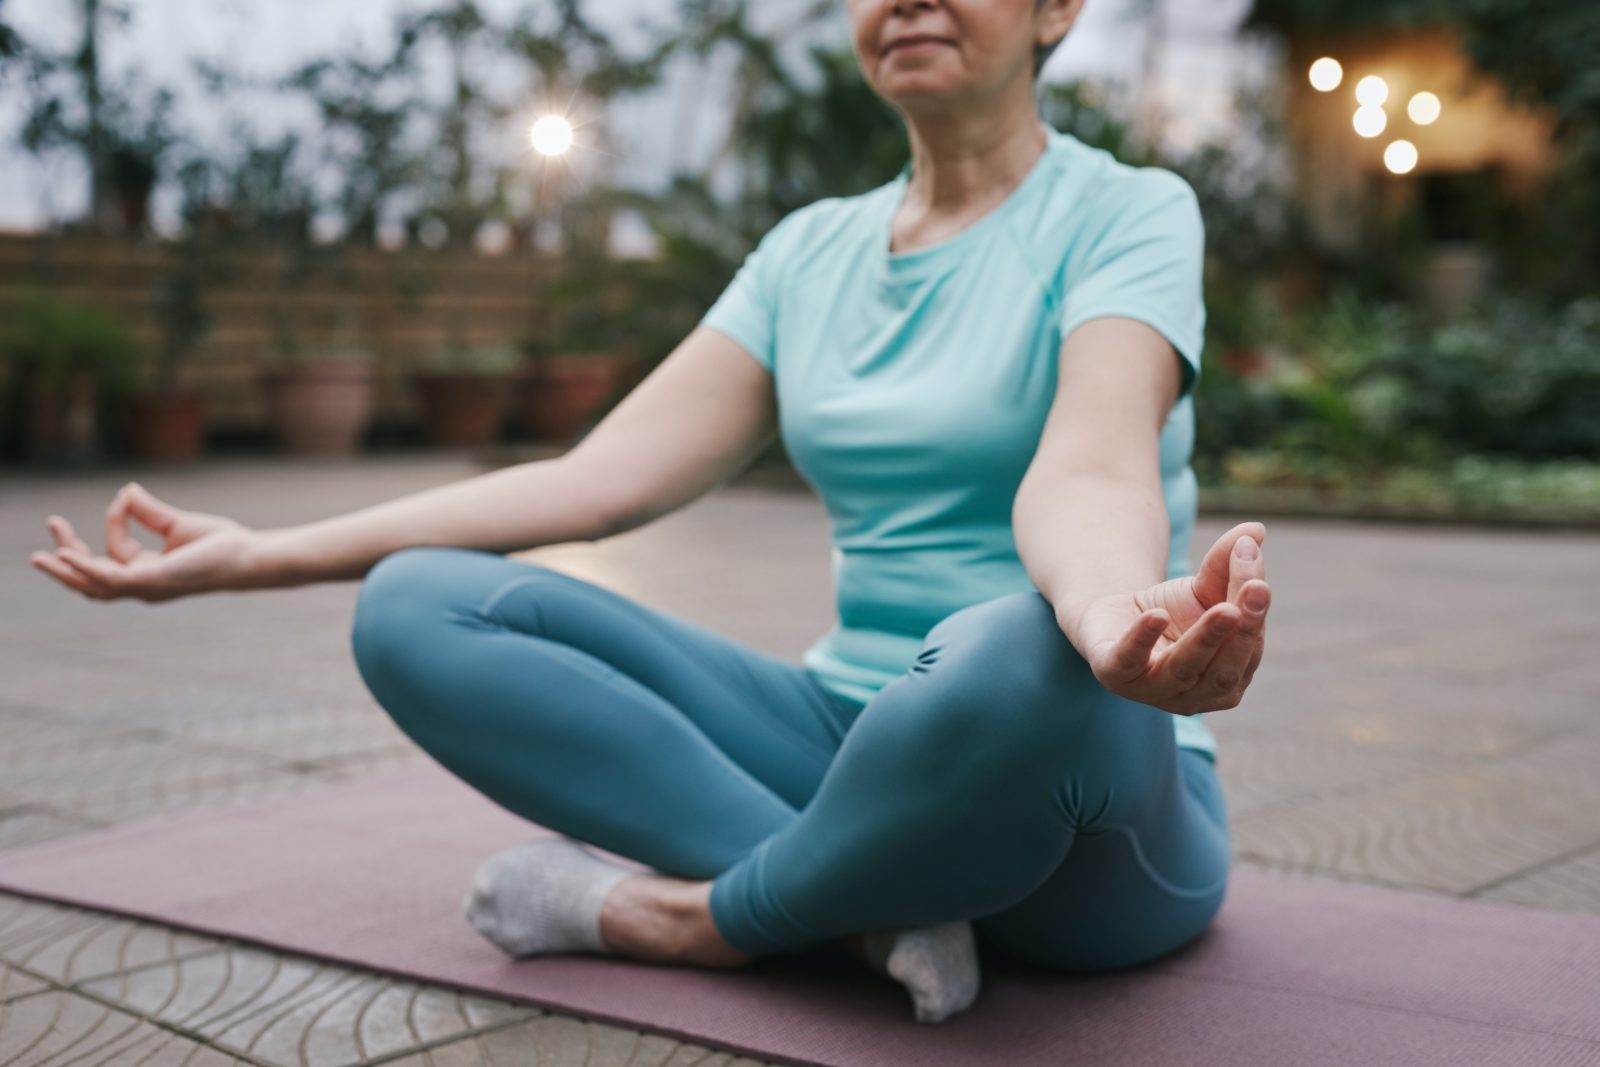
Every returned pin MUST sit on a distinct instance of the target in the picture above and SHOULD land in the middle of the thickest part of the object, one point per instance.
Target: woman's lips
(915, 44)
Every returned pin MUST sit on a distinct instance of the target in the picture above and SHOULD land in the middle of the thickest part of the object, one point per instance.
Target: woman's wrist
(1069, 614)
(273, 560)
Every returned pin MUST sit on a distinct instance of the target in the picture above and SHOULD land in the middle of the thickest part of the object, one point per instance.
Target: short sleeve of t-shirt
(1145, 263)
(747, 309)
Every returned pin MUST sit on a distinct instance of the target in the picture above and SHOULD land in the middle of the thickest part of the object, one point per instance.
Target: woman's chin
(913, 89)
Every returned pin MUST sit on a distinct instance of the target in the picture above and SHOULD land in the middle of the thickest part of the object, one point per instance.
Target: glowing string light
(1424, 108)
(1369, 121)
(1326, 74)
(1372, 91)
(1400, 157)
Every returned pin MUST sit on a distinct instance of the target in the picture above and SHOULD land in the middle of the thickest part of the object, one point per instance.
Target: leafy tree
(122, 130)
(453, 190)
(11, 44)
(1546, 52)
(366, 108)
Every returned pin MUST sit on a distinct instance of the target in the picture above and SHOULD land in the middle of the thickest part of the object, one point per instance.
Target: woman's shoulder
(1093, 180)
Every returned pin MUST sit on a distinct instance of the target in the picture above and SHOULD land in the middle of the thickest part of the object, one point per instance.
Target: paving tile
(15, 983)
(51, 683)
(1259, 767)
(294, 732)
(1378, 705)
(345, 768)
(74, 760)
(32, 826)
(1451, 831)
(1571, 884)
(60, 1028)
(560, 1041)
(191, 791)
(140, 778)
(286, 1010)
(90, 774)
(67, 945)
(1569, 761)
(42, 748)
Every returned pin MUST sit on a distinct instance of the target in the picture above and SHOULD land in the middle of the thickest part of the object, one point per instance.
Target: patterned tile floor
(1427, 718)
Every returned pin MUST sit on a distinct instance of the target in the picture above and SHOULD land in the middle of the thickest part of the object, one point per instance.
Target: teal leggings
(995, 780)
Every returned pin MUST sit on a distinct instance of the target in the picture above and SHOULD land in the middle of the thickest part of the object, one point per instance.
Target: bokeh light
(1369, 121)
(1423, 108)
(551, 135)
(1326, 74)
(1371, 91)
(1400, 157)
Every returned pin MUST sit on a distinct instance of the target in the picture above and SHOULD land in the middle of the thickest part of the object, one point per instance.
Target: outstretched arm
(698, 418)
(1092, 530)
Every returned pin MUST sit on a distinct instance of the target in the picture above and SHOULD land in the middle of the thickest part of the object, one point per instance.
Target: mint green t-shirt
(912, 388)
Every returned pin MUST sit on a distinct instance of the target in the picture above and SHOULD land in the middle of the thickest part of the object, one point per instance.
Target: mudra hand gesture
(1189, 644)
(199, 552)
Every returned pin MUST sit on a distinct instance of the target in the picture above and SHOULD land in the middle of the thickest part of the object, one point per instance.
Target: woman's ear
(1055, 19)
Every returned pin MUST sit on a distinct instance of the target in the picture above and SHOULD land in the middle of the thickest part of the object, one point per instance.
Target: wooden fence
(402, 303)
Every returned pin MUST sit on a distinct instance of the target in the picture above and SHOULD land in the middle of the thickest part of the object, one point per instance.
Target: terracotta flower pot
(462, 410)
(558, 396)
(321, 409)
(169, 425)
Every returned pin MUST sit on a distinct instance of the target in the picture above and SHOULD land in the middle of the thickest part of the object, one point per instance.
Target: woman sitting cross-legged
(985, 368)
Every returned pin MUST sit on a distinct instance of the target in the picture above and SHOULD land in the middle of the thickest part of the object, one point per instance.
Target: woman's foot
(937, 964)
(540, 897)
(554, 895)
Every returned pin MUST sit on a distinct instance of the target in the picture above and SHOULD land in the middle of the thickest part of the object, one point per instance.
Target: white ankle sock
(542, 897)
(938, 964)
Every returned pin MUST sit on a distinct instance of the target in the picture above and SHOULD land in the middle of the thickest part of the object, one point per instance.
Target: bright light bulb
(1400, 157)
(1372, 91)
(1326, 74)
(1423, 108)
(1369, 121)
(551, 135)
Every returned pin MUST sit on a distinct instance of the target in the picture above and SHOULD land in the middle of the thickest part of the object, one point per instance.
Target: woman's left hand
(1185, 645)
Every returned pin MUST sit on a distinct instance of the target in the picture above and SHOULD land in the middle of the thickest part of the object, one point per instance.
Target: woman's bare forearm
(1082, 536)
(537, 503)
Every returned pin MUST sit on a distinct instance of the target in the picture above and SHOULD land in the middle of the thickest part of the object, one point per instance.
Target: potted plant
(464, 391)
(575, 369)
(166, 419)
(321, 393)
(69, 357)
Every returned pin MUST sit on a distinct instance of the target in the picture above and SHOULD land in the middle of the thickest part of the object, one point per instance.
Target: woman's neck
(965, 163)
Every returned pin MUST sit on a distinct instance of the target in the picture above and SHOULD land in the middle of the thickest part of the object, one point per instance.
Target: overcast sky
(675, 127)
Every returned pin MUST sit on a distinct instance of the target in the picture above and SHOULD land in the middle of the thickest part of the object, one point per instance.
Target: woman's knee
(1003, 675)
(400, 596)
(1005, 656)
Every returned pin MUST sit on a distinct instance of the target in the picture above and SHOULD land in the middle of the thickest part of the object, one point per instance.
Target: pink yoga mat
(1294, 969)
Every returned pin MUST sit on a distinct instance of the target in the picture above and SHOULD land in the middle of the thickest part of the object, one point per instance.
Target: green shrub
(1518, 379)
(1369, 385)
(53, 338)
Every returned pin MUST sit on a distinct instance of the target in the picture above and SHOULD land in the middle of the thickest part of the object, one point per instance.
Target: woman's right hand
(200, 553)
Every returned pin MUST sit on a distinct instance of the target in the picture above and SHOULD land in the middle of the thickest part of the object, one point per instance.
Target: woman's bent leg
(961, 789)
(1127, 894)
(588, 712)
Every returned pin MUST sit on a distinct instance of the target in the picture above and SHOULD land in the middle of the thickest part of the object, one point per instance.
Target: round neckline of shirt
(905, 266)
